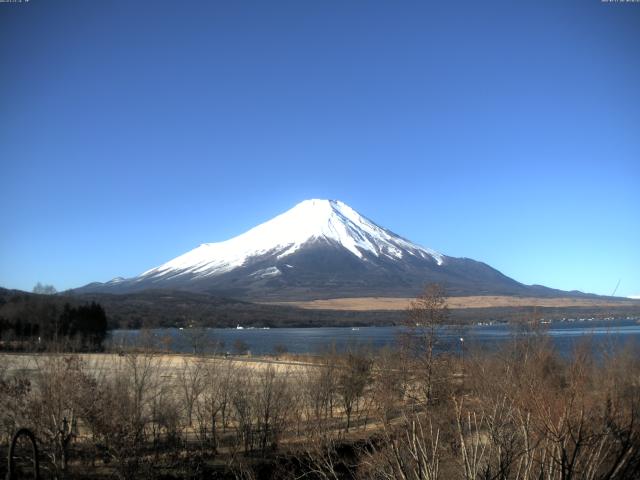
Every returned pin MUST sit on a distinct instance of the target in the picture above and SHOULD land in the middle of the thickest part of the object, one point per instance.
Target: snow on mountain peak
(311, 220)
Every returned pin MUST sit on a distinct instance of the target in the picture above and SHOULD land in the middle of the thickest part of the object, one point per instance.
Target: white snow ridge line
(309, 221)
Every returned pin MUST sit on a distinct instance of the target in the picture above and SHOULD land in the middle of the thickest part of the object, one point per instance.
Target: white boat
(239, 327)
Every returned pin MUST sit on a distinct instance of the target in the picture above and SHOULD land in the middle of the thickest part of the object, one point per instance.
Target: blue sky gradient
(507, 132)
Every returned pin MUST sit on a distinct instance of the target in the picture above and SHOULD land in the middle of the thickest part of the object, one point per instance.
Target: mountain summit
(319, 249)
(311, 222)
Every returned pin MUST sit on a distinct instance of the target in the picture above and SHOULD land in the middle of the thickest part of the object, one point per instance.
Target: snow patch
(266, 272)
(311, 220)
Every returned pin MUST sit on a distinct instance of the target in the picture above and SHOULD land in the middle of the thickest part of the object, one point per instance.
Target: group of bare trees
(520, 412)
(120, 410)
(536, 415)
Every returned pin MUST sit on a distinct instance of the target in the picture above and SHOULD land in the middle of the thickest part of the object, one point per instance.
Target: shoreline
(364, 304)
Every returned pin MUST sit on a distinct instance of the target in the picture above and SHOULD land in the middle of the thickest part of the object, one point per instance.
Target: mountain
(319, 249)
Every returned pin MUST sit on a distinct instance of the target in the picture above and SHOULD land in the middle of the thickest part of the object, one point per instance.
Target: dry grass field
(388, 303)
(346, 416)
(170, 365)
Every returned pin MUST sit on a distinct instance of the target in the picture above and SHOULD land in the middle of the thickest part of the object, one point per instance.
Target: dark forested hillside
(158, 308)
(38, 319)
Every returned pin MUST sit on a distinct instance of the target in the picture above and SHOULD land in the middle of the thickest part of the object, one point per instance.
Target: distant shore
(490, 301)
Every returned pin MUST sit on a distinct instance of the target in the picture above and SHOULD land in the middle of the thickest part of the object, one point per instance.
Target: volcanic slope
(320, 249)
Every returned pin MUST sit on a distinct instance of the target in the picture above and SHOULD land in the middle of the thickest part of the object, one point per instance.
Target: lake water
(565, 335)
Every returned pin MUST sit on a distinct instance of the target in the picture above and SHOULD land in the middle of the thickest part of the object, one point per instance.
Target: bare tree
(125, 405)
(280, 350)
(272, 400)
(165, 417)
(241, 401)
(389, 384)
(320, 387)
(64, 394)
(15, 395)
(320, 454)
(44, 289)
(217, 388)
(240, 347)
(200, 341)
(424, 316)
(191, 383)
(472, 445)
(410, 450)
(354, 375)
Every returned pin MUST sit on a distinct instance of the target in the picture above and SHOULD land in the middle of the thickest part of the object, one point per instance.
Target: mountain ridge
(320, 249)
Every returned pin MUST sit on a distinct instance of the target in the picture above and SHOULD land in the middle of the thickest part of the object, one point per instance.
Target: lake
(564, 334)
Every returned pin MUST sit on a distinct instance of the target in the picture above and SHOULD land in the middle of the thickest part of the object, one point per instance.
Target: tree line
(30, 322)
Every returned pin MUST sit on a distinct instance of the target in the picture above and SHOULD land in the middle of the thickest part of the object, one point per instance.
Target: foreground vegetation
(522, 412)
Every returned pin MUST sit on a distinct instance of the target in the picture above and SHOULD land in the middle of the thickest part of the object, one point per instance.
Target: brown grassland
(489, 301)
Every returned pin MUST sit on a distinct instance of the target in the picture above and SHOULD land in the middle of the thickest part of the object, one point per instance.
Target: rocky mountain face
(319, 249)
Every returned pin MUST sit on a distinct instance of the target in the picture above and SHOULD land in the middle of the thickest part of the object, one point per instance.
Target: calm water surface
(565, 336)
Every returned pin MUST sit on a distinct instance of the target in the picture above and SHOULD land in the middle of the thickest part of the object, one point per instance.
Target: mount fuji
(319, 249)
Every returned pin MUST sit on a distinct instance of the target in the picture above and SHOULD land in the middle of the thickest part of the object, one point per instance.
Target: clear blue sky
(507, 132)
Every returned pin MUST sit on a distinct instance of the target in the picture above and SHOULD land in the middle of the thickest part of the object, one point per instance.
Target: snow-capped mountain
(312, 221)
(318, 249)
